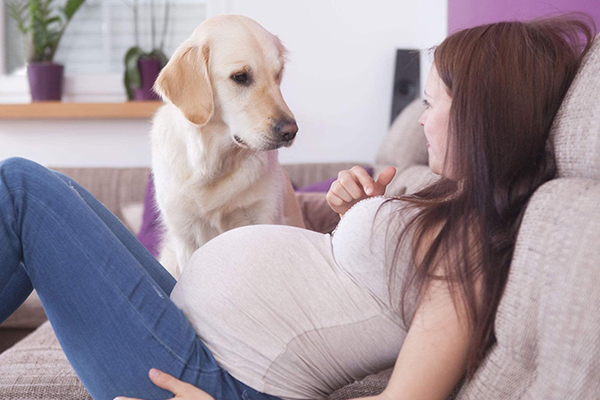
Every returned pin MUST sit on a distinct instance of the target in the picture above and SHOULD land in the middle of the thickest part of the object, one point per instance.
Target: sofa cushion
(576, 129)
(37, 368)
(411, 180)
(547, 322)
(373, 385)
(369, 386)
(132, 216)
(404, 145)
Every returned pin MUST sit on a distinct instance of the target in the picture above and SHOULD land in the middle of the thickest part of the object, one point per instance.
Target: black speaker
(407, 83)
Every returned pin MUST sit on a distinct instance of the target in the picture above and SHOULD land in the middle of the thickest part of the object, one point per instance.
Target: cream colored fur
(206, 181)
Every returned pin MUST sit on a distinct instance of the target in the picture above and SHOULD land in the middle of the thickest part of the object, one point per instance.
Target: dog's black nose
(285, 130)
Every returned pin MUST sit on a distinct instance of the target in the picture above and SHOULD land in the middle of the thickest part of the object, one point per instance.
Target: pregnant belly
(275, 310)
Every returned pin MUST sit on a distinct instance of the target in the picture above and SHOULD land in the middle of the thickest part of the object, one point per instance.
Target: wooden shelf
(60, 110)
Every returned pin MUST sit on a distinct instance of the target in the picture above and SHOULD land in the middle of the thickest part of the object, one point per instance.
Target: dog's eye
(241, 78)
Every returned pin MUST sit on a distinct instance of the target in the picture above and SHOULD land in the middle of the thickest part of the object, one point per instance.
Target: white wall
(338, 83)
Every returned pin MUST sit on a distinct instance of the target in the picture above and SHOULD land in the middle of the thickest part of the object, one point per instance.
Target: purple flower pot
(45, 81)
(149, 69)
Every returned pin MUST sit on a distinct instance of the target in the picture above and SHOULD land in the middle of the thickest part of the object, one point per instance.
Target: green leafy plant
(44, 23)
(132, 77)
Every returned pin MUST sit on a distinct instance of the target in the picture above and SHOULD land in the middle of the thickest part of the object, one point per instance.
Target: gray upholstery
(576, 129)
(36, 368)
(405, 147)
(547, 324)
(405, 143)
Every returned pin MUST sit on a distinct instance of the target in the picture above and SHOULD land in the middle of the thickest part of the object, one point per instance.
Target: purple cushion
(323, 186)
(150, 232)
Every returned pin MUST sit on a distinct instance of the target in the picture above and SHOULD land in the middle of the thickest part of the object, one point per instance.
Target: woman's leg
(20, 286)
(111, 317)
(124, 235)
(15, 292)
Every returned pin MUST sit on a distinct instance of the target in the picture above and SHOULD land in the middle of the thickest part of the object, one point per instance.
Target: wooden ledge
(60, 110)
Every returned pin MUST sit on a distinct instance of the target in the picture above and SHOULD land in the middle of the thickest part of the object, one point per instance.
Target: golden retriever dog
(214, 143)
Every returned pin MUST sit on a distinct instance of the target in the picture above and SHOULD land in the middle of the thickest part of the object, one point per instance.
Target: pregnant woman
(267, 312)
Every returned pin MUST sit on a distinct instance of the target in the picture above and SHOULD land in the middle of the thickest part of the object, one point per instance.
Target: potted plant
(142, 68)
(44, 24)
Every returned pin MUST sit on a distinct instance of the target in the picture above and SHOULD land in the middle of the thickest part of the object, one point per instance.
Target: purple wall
(467, 13)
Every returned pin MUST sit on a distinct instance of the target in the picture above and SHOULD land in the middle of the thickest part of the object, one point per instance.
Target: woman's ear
(184, 81)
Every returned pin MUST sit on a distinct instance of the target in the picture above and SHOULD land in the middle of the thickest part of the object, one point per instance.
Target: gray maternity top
(295, 313)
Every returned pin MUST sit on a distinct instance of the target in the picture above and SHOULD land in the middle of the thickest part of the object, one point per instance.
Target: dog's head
(230, 69)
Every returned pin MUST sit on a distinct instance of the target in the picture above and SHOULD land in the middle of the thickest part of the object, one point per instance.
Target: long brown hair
(507, 81)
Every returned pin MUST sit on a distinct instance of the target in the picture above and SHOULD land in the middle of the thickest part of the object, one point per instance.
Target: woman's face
(435, 121)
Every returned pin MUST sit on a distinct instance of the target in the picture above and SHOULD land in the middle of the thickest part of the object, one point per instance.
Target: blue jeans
(105, 295)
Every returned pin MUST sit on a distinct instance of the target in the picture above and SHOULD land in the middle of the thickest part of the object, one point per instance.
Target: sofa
(547, 324)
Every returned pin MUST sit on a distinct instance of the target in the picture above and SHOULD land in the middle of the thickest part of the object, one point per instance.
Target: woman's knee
(14, 171)
(18, 164)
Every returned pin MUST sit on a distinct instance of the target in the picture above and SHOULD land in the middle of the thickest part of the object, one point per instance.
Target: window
(94, 44)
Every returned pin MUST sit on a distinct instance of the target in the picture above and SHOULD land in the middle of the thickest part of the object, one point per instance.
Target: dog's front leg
(167, 256)
(183, 250)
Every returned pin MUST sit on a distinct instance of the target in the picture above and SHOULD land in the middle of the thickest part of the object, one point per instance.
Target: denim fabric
(105, 295)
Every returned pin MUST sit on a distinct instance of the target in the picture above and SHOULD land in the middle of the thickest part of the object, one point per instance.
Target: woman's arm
(433, 356)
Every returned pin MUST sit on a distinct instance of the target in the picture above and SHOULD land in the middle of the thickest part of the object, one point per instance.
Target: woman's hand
(354, 185)
(180, 389)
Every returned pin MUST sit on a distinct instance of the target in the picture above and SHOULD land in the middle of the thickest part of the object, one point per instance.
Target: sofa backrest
(114, 187)
(576, 130)
(405, 147)
(547, 322)
(405, 143)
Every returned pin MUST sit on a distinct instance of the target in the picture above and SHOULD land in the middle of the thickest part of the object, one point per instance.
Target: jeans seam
(84, 251)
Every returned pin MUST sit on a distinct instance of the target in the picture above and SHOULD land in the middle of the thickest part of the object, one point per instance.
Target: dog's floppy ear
(184, 81)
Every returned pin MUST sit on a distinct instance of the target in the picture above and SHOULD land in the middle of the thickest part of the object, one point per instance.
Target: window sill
(64, 110)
